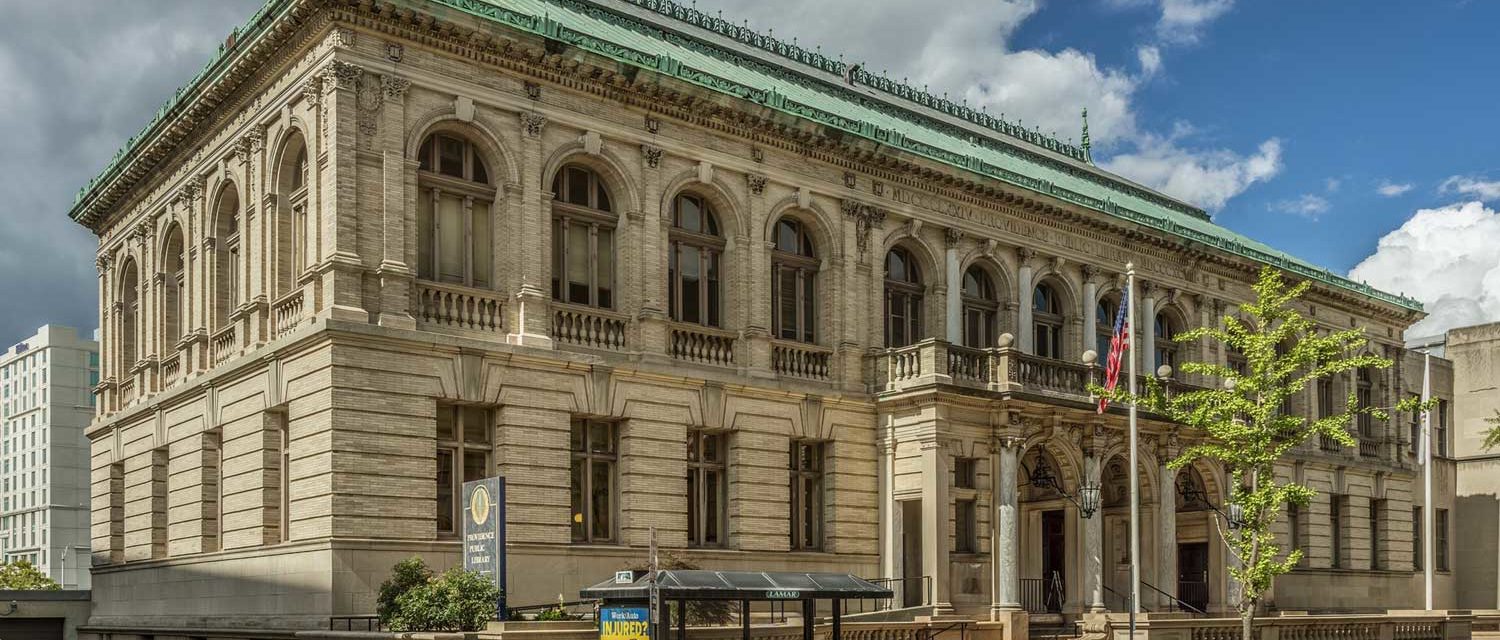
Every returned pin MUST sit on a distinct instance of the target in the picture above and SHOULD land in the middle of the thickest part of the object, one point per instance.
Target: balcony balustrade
(455, 307)
(703, 344)
(588, 327)
(286, 313)
(223, 344)
(801, 360)
(999, 369)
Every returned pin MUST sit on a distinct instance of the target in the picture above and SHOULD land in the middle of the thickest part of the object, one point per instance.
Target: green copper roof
(684, 43)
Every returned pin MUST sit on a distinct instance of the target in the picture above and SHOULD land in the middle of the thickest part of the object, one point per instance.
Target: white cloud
(1332, 185)
(1481, 188)
(1150, 59)
(1448, 258)
(1391, 189)
(965, 53)
(1208, 178)
(1307, 205)
(1183, 21)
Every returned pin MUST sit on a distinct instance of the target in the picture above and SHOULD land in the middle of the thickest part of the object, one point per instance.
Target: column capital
(951, 237)
(532, 123)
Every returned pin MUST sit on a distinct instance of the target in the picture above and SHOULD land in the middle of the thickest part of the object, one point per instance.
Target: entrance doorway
(1054, 559)
(912, 588)
(1192, 574)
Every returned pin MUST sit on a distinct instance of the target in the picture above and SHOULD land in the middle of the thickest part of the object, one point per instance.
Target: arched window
(227, 280)
(903, 298)
(794, 276)
(694, 262)
(1365, 395)
(583, 239)
(1105, 314)
(454, 234)
(174, 302)
(981, 306)
(291, 216)
(130, 306)
(1046, 321)
(1166, 343)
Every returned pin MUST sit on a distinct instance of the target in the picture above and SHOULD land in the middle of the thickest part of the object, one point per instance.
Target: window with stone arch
(794, 282)
(174, 299)
(694, 262)
(1364, 378)
(903, 298)
(455, 202)
(130, 306)
(981, 308)
(583, 238)
(227, 264)
(1165, 350)
(291, 229)
(1106, 311)
(1047, 321)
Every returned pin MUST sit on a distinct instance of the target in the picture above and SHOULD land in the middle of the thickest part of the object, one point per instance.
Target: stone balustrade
(223, 345)
(287, 313)
(801, 360)
(455, 307)
(1394, 625)
(701, 344)
(589, 327)
(1000, 369)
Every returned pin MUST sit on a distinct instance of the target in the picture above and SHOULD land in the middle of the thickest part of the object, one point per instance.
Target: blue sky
(1283, 118)
(1359, 93)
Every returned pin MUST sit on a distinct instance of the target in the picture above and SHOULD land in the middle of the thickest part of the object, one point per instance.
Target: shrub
(22, 575)
(408, 574)
(458, 600)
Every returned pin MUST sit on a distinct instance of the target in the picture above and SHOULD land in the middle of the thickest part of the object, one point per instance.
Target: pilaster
(531, 324)
(396, 276)
(341, 267)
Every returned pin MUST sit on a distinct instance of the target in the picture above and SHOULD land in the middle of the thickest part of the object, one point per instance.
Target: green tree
(458, 600)
(1492, 434)
(1243, 426)
(22, 575)
(408, 574)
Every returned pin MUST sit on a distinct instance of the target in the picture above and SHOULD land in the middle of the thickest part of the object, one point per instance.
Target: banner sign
(624, 623)
(484, 532)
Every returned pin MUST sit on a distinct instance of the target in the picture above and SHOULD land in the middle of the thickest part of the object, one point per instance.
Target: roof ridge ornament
(1088, 156)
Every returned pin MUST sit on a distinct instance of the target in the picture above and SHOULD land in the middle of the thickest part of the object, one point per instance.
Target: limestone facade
(356, 287)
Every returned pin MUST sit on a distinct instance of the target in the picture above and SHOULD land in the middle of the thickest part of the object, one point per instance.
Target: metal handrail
(1180, 603)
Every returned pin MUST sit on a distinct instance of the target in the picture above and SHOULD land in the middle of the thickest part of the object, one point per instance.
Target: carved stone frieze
(395, 87)
(652, 155)
(756, 183)
(341, 75)
(865, 218)
(532, 123)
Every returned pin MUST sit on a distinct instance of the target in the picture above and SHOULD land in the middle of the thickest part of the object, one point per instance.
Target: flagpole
(1428, 558)
(1135, 498)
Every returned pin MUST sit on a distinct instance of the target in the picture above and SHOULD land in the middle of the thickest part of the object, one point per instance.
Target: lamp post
(1087, 500)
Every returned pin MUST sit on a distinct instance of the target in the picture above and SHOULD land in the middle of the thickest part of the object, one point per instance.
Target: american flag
(1117, 346)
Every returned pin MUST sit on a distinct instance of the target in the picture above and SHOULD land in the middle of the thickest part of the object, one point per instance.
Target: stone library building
(667, 274)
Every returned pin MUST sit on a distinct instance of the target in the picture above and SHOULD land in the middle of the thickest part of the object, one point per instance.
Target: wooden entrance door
(1192, 574)
(1054, 559)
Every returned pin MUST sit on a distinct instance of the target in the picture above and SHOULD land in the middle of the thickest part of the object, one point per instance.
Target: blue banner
(624, 623)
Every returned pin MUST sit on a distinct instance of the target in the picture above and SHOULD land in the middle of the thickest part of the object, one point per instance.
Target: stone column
(1005, 550)
(531, 325)
(1090, 320)
(757, 279)
(955, 309)
(1147, 320)
(935, 508)
(341, 267)
(888, 517)
(1023, 299)
(1166, 520)
(1093, 542)
(396, 277)
(653, 225)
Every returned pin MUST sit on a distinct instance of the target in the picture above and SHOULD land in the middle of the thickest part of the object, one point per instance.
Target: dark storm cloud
(78, 77)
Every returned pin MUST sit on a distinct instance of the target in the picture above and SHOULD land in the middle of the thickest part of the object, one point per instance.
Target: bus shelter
(633, 589)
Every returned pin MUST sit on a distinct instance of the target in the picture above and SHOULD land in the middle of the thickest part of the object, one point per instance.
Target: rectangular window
(1377, 516)
(595, 457)
(1440, 537)
(213, 479)
(1440, 434)
(1336, 529)
(1415, 427)
(965, 526)
(706, 488)
(284, 468)
(464, 434)
(1325, 398)
(1417, 549)
(963, 472)
(807, 494)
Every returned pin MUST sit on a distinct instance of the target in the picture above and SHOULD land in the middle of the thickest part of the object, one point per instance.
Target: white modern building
(46, 401)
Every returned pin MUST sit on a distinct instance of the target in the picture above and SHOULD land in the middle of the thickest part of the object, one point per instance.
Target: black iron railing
(355, 623)
(1041, 595)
